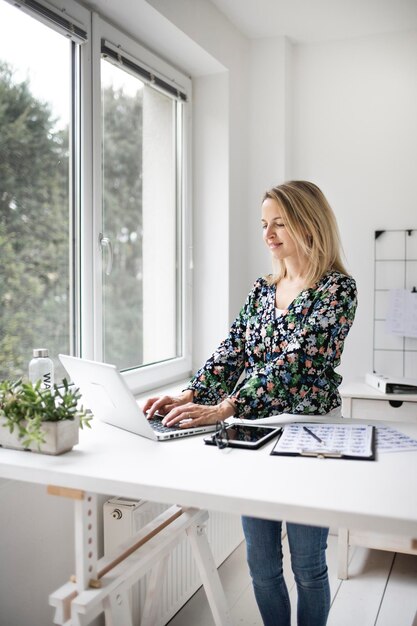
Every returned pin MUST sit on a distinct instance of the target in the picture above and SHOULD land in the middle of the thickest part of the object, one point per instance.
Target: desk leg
(343, 553)
(85, 541)
(85, 507)
(104, 586)
(209, 575)
(85, 533)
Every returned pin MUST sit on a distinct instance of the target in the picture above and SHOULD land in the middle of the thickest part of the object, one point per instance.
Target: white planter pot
(59, 437)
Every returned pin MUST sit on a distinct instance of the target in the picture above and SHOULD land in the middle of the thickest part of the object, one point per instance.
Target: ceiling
(302, 21)
(319, 20)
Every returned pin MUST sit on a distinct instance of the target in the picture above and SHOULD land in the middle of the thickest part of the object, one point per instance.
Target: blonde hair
(310, 221)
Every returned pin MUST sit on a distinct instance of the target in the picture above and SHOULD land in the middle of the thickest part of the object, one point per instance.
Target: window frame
(145, 377)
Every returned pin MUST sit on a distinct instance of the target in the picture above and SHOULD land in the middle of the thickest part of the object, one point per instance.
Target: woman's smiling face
(275, 233)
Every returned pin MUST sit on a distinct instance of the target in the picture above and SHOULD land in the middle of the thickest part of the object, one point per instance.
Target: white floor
(381, 591)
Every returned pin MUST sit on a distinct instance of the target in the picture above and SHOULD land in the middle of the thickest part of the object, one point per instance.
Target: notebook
(343, 441)
(106, 394)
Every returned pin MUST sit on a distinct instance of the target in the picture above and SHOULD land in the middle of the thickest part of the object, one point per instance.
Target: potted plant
(40, 420)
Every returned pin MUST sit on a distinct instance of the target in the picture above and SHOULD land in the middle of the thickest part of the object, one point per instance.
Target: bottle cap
(40, 352)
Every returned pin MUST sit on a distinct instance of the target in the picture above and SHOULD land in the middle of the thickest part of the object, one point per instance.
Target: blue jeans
(308, 561)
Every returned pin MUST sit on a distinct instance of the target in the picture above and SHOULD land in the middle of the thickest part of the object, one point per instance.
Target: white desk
(379, 496)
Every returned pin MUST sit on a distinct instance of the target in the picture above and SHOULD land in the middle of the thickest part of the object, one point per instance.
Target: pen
(312, 434)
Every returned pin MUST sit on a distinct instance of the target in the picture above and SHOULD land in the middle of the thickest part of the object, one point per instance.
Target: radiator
(124, 517)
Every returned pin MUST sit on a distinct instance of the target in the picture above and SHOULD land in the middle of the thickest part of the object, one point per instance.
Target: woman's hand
(190, 414)
(165, 404)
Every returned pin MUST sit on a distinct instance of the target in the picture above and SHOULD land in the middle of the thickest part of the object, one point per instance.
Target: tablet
(246, 436)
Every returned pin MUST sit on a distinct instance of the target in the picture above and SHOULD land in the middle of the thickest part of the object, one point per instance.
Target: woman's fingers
(158, 405)
(176, 414)
(165, 404)
(189, 415)
(149, 402)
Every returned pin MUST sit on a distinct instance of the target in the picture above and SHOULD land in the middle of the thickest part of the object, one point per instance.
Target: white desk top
(378, 496)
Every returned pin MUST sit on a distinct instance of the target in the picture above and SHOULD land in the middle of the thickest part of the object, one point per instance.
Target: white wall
(353, 131)
(355, 134)
(36, 552)
(270, 110)
(220, 176)
(210, 213)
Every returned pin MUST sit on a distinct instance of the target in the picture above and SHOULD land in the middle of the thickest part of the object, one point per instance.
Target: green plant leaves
(25, 406)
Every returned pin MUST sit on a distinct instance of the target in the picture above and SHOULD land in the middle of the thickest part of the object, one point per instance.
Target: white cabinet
(363, 402)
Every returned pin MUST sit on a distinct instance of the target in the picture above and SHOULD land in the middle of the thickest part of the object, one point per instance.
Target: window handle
(105, 243)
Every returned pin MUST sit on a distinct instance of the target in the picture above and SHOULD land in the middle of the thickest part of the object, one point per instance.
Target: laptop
(106, 394)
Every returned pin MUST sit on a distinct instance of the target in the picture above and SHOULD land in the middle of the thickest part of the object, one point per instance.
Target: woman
(287, 341)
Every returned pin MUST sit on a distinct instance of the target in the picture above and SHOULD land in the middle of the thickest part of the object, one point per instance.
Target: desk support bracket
(103, 586)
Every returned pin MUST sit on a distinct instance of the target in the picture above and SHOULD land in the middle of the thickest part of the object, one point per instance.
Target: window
(99, 270)
(36, 205)
(142, 299)
(141, 283)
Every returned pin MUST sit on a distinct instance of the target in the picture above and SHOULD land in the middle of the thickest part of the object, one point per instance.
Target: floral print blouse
(288, 361)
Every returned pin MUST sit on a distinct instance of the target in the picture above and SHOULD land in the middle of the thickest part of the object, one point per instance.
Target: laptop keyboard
(160, 427)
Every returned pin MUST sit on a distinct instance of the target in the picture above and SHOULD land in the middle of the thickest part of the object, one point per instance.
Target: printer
(388, 384)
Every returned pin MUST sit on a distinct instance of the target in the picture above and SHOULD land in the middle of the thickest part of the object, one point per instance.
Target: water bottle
(41, 368)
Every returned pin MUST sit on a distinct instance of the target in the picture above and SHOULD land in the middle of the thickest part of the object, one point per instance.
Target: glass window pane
(34, 191)
(141, 295)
